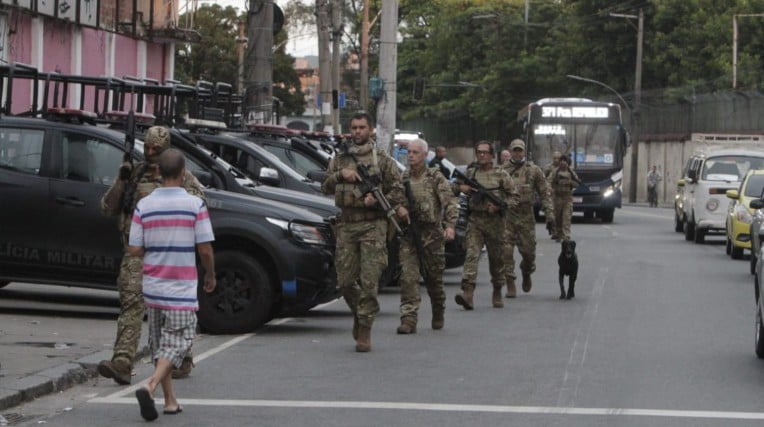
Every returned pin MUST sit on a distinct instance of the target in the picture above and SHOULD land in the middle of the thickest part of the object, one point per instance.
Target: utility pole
(241, 43)
(336, 39)
(388, 64)
(260, 61)
(634, 172)
(364, 95)
(324, 63)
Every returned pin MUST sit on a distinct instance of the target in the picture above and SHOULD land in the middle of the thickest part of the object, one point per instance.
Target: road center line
(444, 407)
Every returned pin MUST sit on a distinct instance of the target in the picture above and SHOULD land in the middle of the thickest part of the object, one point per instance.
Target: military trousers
(563, 215)
(521, 233)
(360, 259)
(434, 262)
(489, 230)
(131, 308)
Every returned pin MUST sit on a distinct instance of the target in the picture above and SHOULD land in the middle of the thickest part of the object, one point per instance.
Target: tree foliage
(215, 58)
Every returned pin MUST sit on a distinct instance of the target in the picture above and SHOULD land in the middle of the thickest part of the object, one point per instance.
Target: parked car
(255, 161)
(270, 257)
(740, 215)
(708, 177)
(758, 271)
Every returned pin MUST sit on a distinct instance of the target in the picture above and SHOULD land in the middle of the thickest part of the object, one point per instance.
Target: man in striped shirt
(168, 227)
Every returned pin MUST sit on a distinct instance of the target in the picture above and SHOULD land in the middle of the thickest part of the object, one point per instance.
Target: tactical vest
(563, 183)
(427, 208)
(525, 180)
(346, 193)
(492, 181)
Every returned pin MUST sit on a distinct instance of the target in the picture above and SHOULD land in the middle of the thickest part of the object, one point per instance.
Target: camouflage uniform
(562, 184)
(434, 206)
(485, 228)
(521, 224)
(143, 179)
(361, 254)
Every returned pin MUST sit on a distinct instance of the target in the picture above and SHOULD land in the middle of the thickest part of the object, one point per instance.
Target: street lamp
(623, 101)
(637, 102)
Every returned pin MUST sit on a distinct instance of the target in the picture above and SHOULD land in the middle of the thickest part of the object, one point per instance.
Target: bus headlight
(712, 204)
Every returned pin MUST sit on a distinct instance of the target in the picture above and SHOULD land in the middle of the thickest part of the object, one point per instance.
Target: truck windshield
(729, 168)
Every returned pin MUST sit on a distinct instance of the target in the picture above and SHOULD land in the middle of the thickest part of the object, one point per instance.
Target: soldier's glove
(550, 226)
(125, 171)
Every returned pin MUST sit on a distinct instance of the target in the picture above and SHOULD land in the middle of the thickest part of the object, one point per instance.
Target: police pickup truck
(52, 176)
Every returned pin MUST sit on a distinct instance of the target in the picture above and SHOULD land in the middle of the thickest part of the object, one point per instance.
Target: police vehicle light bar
(203, 123)
(140, 118)
(72, 112)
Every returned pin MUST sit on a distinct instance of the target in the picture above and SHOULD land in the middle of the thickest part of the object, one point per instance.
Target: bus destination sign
(574, 112)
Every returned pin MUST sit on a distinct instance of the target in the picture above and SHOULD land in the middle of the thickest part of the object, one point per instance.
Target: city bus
(592, 135)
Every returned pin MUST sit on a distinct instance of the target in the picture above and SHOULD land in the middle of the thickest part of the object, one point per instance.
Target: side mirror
(733, 194)
(756, 204)
(317, 175)
(269, 176)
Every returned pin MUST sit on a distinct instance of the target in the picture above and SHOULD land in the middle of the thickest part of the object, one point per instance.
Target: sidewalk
(53, 350)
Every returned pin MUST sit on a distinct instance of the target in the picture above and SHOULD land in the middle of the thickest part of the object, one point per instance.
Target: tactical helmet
(157, 137)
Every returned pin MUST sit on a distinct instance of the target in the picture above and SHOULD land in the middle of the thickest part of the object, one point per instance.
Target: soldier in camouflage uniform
(362, 230)
(521, 224)
(434, 210)
(486, 225)
(552, 166)
(139, 180)
(563, 181)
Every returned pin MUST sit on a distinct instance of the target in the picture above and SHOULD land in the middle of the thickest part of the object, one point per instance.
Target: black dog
(568, 262)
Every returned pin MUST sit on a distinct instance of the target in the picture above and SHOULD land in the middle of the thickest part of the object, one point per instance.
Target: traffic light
(418, 88)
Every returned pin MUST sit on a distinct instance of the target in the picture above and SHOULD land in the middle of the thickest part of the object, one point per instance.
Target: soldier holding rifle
(367, 203)
(431, 220)
(492, 193)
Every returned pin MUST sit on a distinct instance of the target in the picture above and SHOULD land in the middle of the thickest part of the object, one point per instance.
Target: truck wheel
(689, 230)
(243, 298)
(678, 224)
(700, 235)
(606, 215)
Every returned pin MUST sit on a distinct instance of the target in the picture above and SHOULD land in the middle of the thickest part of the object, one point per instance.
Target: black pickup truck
(270, 256)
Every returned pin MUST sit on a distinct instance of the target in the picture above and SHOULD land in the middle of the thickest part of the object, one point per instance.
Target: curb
(56, 379)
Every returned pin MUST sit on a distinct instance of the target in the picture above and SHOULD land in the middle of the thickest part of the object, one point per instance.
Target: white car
(708, 177)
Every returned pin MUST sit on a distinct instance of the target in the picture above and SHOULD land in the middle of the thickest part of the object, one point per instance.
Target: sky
(299, 45)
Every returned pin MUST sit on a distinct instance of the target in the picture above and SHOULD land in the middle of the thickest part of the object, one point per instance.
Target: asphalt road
(660, 334)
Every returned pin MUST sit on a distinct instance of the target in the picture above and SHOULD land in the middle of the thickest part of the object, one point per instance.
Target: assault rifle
(127, 196)
(370, 184)
(482, 193)
(413, 227)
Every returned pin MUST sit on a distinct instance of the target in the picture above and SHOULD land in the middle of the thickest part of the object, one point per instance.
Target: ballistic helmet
(157, 137)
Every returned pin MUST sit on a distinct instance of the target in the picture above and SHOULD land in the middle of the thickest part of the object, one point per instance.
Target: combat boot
(496, 297)
(363, 343)
(438, 318)
(527, 284)
(408, 326)
(511, 290)
(571, 294)
(119, 370)
(465, 298)
(355, 327)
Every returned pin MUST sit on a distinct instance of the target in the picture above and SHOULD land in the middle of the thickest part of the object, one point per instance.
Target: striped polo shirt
(168, 223)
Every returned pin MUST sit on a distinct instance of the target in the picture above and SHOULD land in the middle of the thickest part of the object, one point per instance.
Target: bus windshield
(594, 145)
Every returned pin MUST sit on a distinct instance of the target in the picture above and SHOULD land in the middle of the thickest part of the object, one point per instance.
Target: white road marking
(443, 407)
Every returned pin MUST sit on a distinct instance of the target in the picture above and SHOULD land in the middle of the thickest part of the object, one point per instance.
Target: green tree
(216, 59)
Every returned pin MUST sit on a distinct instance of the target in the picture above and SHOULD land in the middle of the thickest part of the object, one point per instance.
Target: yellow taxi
(739, 214)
